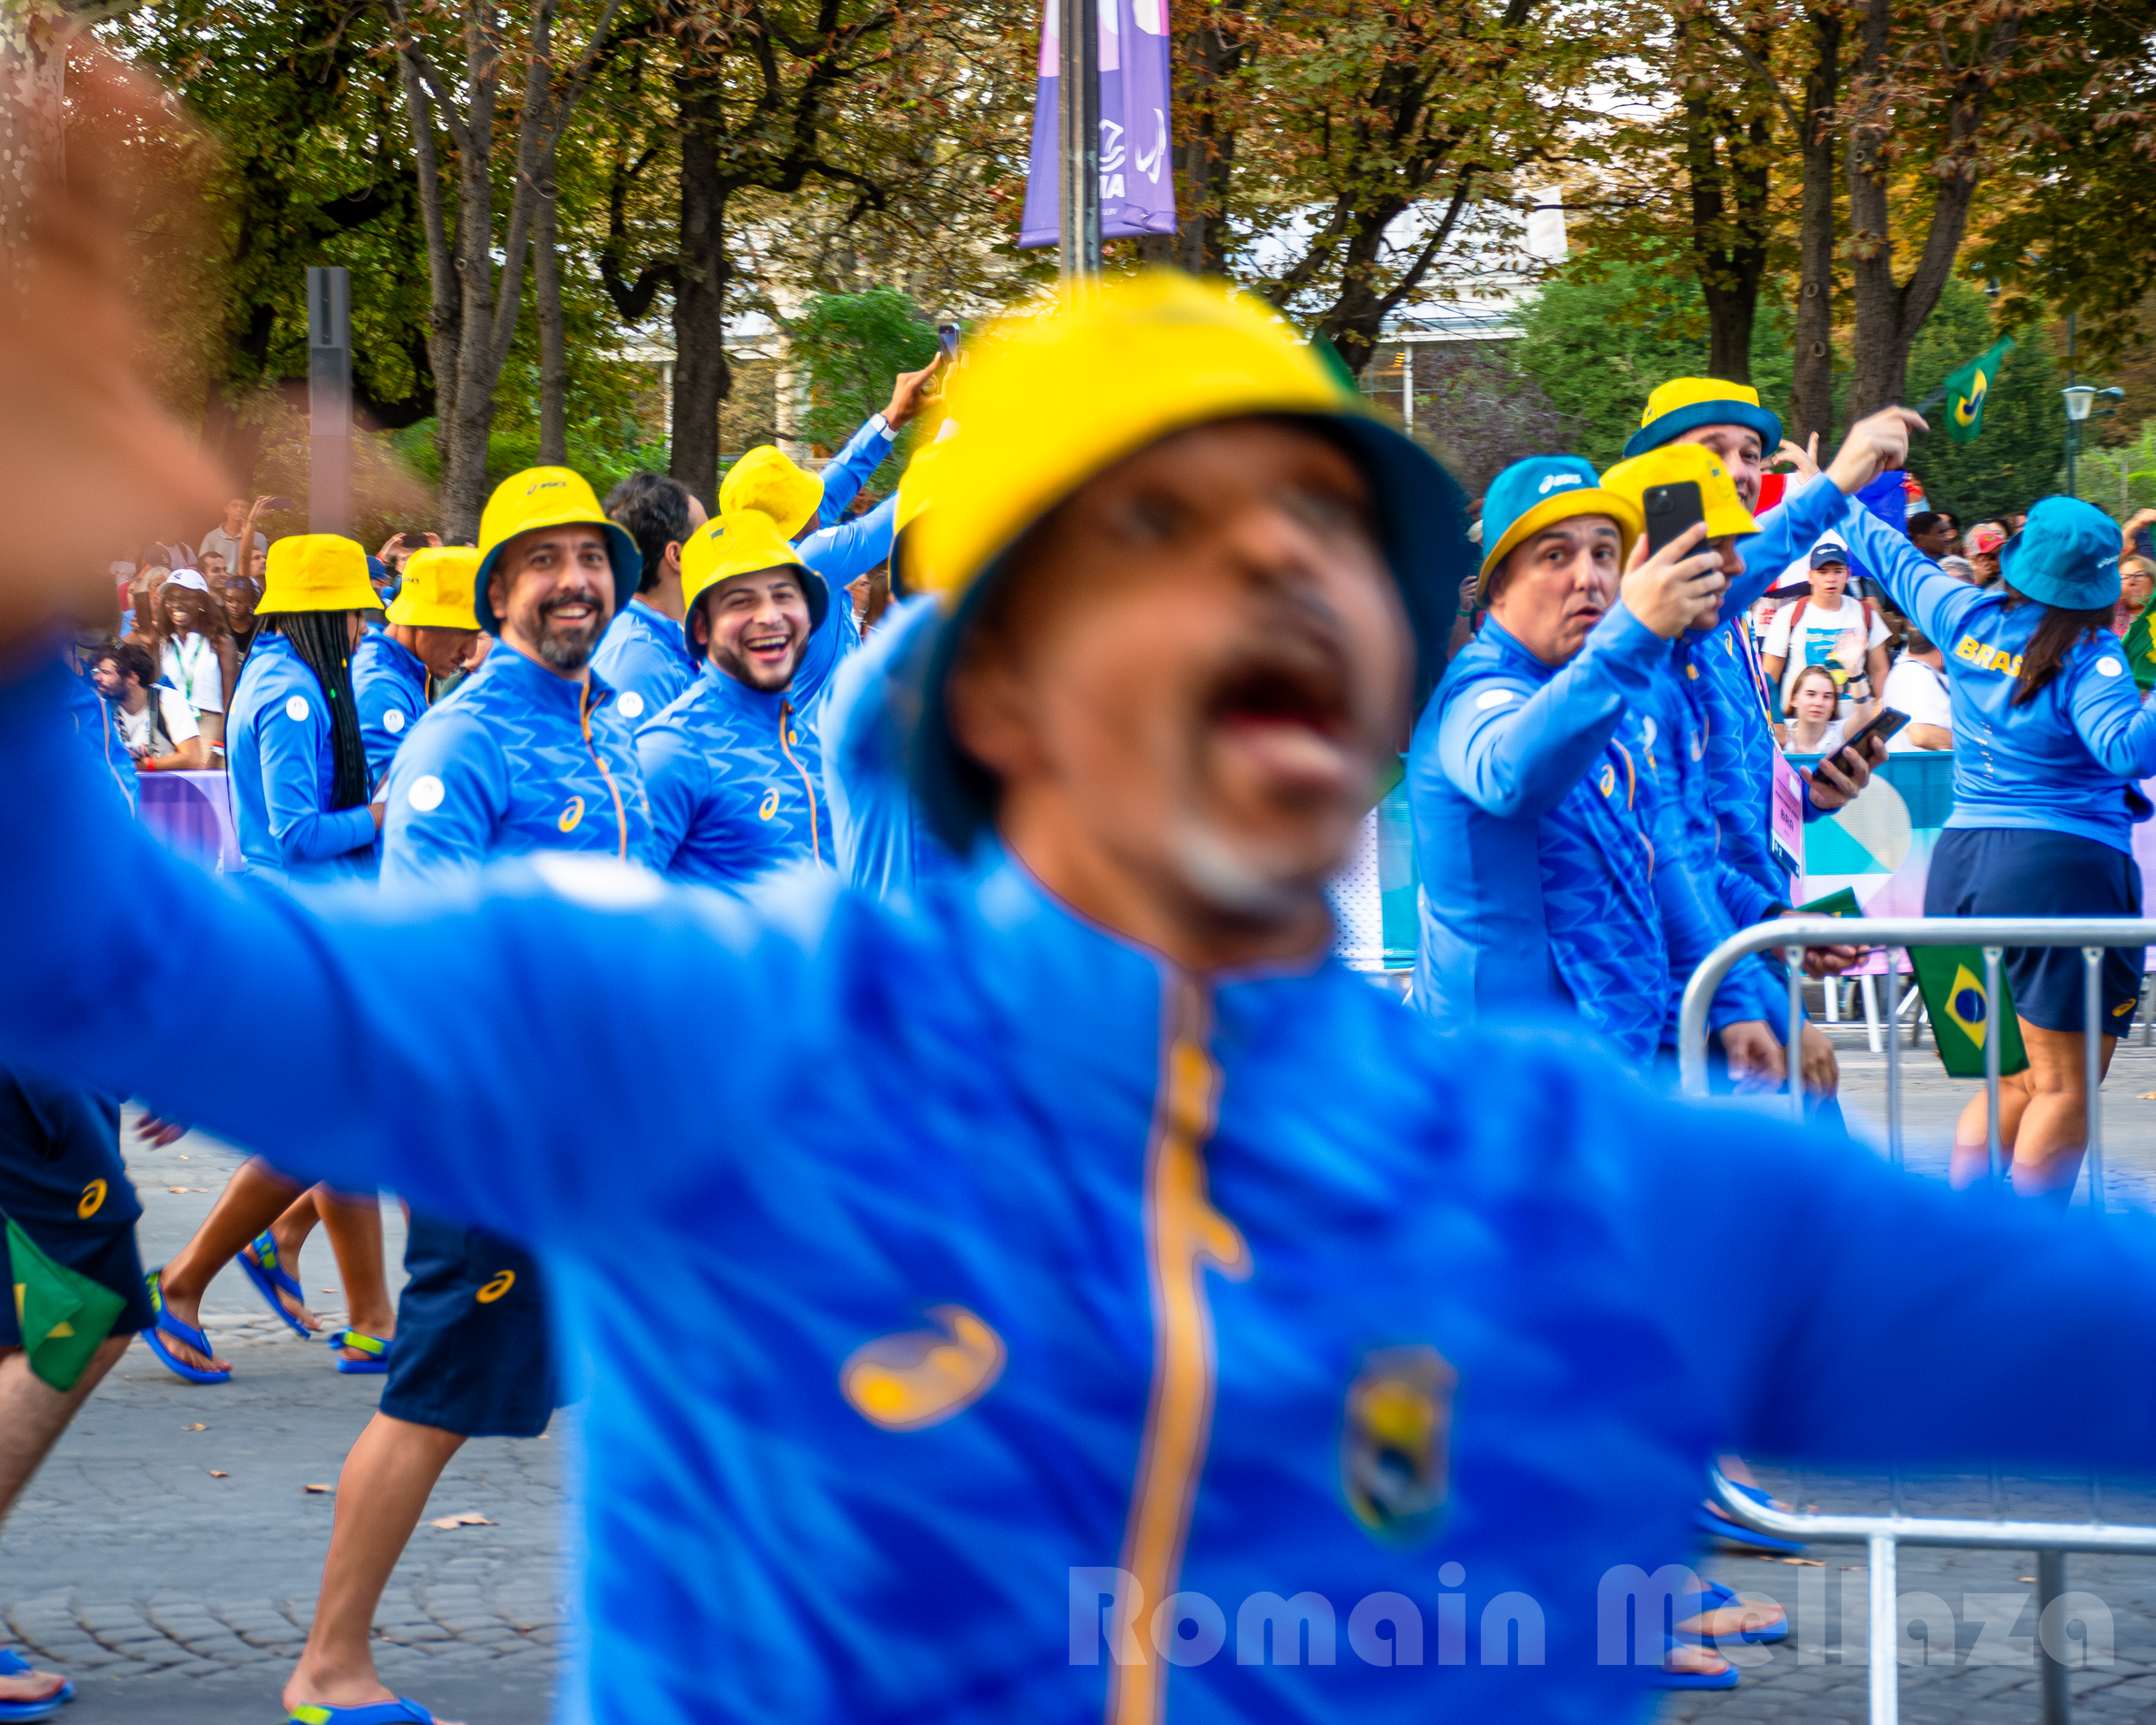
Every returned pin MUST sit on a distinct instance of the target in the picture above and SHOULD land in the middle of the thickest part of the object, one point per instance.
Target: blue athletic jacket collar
(736, 696)
(540, 687)
(401, 659)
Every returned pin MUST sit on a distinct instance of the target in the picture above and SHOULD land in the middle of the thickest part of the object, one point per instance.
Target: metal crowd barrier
(1883, 1535)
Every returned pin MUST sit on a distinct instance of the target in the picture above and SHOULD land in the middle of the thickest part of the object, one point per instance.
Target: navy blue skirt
(2027, 872)
(473, 1355)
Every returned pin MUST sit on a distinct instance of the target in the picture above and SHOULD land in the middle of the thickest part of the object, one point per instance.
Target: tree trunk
(33, 75)
(553, 355)
(701, 377)
(1811, 395)
(1207, 155)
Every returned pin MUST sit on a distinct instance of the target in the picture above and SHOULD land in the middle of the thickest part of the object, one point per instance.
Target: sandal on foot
(13, 1664)
(258, 1257)
(167, 1324)
(1712, 1596)
(399, 1711)
(375, 1346)
(1727, 1677)
(1723, 1528)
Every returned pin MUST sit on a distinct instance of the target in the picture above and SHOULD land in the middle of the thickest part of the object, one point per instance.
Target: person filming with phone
(2045, 798)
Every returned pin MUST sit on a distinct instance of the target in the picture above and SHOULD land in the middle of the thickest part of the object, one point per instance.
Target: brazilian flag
(63, 1314)
(1952, 978)
(2140, 648)
(1967, 388)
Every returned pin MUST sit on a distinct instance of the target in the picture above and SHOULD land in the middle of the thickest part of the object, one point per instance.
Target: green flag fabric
(1952, 978)
(2140, 650)
(1967, 388)
(64, 1315)
(1841, 902)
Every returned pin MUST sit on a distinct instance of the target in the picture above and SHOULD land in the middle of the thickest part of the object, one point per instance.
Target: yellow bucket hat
(1685, 404)
(916, 492)
(437, 589)
(1672, 465)
(746, 543)
(1048, 401)
(767, 481)
(547, 497)
(316, 572)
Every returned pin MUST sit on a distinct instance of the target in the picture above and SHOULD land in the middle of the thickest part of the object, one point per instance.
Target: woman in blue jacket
(2050, 736)
(298, 769)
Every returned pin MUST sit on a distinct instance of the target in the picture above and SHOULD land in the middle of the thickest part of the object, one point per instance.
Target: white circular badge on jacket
(296, 708)
(2108, 666)
(631, 704)
(393, 721)
(426, 794)
(1491, 697)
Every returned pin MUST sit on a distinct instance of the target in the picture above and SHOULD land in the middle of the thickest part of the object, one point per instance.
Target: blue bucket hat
(2067, 554)
(1532, 494)
(1685, 404)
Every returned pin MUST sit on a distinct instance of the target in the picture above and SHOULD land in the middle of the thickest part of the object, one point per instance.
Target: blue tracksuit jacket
(840, 549)
(1503, 740)
(1013, 1257)
(98, 724)
(2065, 762)
(734, 777)
(389, 685)
(515, 759)
(277, 748)
(644, 658)
(882, 842)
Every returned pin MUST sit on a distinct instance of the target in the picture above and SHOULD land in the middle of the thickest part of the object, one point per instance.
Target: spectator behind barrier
(1983, 541)
(1809, 726)
(155, 726)
(2135, 582)
(1917, 686)
(1934, 533)
(195, 654)
(1847, 637)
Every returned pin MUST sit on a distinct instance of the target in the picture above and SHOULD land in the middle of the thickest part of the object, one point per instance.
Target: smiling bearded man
(997, 1305)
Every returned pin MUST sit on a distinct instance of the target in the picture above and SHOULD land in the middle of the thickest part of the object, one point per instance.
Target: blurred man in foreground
(1083, 1262)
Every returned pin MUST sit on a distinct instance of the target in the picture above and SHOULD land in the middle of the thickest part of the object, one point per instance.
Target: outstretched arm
(841, 554)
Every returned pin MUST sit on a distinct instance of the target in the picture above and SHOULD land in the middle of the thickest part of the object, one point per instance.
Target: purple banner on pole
(1137, 175)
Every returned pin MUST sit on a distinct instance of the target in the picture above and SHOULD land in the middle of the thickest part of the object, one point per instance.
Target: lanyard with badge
(1785, 792)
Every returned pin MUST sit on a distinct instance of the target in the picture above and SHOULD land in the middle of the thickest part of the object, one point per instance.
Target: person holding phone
(2045, 803)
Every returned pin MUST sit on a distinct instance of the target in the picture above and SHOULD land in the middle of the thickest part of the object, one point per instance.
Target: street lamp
(2079, 398)
(2080, 402)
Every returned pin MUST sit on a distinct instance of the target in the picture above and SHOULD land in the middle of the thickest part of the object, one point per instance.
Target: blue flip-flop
(258, 1259)
(376, 1348)
(1712, 1596)
(399, 1711)
(167, 1324)
(1727, 1677)
(1722, 1528)
(13, 1664)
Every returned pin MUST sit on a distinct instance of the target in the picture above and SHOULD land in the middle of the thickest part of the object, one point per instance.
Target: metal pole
(328, 400)
(2073, 425)
(1793, 1052)
(1078, 127)
(2092, 1070)
(1992, 1034)
(2050, 1582)
(1894, 1066)
(1885, 1635)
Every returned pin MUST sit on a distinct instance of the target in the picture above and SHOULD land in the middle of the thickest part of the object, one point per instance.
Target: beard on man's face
(567, 646)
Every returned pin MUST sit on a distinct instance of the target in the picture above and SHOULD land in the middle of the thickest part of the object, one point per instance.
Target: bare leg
(1972, 1157)
(290, 1231)
(355, 1227)
(33, 1415)
(2054, 1126)
(252, 1198)
(380, 1497)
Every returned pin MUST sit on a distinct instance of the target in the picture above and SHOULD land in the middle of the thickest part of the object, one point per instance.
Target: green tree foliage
(852, 346)
(2122, 476)
(1602, 334)
(2018, 457)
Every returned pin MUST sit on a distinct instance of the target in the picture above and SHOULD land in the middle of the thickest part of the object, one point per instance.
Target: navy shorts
(2026, 871)
(107, 1255)
(472, 1354)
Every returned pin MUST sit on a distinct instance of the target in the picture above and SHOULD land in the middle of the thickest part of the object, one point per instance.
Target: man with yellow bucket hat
(734, 768)
(1082, 1269)
(532, 753)
(429, 634)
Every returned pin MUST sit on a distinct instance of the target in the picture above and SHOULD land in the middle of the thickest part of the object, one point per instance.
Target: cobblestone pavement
(175, 1596)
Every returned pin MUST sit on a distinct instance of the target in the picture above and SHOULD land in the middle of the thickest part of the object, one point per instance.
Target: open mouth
(1287, 714)
(769, 649)
(573, 612)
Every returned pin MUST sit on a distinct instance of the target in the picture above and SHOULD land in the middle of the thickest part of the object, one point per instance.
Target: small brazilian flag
(1968, 388)
(1952, 978)
(2140, 648)
(63, 1314)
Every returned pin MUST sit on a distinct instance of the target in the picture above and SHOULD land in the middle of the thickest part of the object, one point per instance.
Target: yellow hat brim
(1562, 507)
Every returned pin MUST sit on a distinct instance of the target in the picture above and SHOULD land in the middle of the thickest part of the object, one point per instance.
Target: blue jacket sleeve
(1748, 902)
(292, 753)
(675, 773)
(1918, 586)
(846, 552)
(1513, 753)
(2108, 712)
(448, 791)
(848, 470)
(1786, 532)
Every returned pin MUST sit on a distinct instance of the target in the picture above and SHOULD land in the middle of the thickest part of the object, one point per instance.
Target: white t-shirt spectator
(227, 546)
(174, 715)
(190, 666)
(1915, 689)
(1836, 639)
